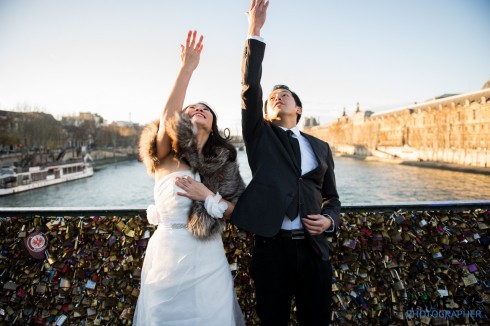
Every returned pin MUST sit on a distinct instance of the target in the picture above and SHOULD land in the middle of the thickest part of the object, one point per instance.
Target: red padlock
(36, 244)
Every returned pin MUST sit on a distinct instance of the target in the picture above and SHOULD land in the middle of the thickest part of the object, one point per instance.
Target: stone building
(450, 128)
(78, 120)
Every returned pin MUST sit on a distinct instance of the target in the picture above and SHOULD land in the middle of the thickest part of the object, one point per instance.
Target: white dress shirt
(308, 163)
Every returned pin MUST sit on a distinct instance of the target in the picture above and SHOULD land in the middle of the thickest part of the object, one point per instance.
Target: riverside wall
(96, 156)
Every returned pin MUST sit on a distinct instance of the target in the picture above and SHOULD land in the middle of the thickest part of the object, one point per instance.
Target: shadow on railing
(396, 264)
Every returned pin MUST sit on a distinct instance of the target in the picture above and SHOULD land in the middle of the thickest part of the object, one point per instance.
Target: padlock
(349, 243)
(450, 304)
(421, 265)
(443, 292)
(437, 255)
(399, 218)
(394, 299)
(470, 279)
(472, 268)
(398, 284)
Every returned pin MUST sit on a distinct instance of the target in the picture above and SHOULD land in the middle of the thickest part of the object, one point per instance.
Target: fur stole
(217, 172)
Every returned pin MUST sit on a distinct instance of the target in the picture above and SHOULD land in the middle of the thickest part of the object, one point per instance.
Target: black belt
(292, 234)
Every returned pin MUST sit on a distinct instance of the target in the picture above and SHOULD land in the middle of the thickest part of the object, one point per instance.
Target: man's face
(280, 104)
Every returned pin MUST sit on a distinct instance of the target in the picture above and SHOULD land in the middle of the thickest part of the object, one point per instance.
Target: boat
(13, 181)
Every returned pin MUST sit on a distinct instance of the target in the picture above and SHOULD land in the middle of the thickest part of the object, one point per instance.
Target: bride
(186, 279)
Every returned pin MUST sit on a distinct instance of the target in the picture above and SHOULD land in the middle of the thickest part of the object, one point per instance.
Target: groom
(292, 203)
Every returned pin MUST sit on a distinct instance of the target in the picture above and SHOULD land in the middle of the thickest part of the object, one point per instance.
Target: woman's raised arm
(190, 54)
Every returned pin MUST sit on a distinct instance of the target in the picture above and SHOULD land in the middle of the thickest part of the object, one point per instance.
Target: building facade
(450, 129)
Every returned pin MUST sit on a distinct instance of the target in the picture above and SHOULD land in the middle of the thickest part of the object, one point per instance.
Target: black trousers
(282, 268)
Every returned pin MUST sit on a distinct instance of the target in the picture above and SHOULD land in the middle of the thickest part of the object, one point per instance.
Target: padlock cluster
(412, 268)
(89, 273)
(394, 268)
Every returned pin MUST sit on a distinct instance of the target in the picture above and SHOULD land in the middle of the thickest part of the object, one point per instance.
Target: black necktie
(295, 146)
(292, 210)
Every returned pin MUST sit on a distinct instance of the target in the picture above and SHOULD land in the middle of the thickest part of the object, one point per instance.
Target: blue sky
(119, 58)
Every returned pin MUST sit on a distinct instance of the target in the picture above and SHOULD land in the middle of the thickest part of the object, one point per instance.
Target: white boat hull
(88, 171)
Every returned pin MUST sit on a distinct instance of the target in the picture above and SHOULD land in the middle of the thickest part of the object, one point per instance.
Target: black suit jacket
(276, 180)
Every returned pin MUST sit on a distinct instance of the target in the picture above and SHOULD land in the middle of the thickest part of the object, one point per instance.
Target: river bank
(99, 163)
(448, 166)
(421, 164)
(98, 157)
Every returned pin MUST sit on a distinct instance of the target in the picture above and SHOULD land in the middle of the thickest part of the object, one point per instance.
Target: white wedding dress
(184, 281)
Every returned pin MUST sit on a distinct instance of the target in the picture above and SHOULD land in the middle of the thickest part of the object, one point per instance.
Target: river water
(126, 184)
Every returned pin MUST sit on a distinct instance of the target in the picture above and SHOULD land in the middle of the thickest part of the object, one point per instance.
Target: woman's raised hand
(191, 51)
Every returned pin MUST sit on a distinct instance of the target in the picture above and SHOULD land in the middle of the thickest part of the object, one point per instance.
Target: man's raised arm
(253, 55)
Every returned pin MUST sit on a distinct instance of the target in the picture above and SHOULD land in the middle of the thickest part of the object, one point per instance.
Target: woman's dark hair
(216, 140)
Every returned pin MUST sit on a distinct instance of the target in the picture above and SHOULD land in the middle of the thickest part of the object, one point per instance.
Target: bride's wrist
(215, 206)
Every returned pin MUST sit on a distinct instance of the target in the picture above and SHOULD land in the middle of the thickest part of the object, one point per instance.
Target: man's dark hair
(295, 97)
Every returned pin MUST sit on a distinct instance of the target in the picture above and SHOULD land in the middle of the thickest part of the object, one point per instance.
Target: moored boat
(12, 181)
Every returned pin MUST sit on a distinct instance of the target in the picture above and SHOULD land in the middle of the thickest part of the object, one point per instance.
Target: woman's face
(200, 115)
